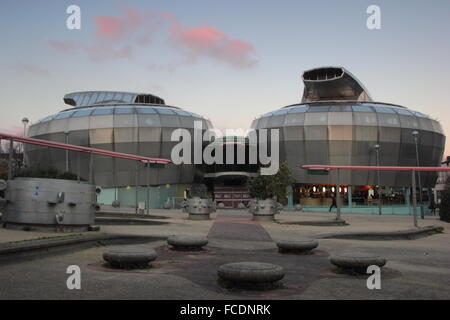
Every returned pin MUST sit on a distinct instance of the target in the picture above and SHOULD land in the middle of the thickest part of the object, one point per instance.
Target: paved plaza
(415, 269)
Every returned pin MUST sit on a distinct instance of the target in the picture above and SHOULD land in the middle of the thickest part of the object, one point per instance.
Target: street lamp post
(66, 133)
(415, 134)
(25, 122)
(377, 150)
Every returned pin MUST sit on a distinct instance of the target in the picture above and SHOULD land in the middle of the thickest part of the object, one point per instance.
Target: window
(280, 112)
(164, 111)
(319, 108)
(82, 113)
(63, 115)
(181, 112)
(298, 109)
(382, 109)
(47, 119)
(102, 111)
(124, 110)
(93, 98)
(403, 111)
(362, 109)
(145, 110)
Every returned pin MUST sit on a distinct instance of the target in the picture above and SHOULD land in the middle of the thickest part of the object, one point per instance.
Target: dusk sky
(229, 61)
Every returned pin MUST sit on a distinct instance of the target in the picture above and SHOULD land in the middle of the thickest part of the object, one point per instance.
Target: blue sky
(406, 62)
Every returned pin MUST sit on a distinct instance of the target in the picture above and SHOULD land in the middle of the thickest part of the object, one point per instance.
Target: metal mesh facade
(345, 133)
(142, 129)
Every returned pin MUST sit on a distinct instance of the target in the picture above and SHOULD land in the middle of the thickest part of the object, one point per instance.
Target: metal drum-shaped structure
(132, 123)
(49, 204)
(337, 123)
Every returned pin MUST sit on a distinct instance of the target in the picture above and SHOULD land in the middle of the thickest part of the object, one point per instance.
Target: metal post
(148, 187)
(415, 134)
(349, 196)
(10, 160)
(91, 168)
(377, 148)
(338, 195)
(414, 197)
(78, 167)
(136, 177)
(67, 151)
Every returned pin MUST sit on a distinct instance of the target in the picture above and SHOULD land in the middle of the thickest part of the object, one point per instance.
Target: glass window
(382, 109)
(403, 111)
(421, 115)
(93, 98)
(124, 121)
(170, 121)
(340, 109)
(84, 99)
(145, 110)
(77, 99)
(109, 96)
(124, 110)
(388, 120)
(279, 112)
(128, 97)
(316, 118)
(102, 110)
(82, 113)
(150, 120)
(101, 97)
(118, 96)
(276, 121)
(298, 109)
(295, 119)
(47, 118)
(164, 111)
(365, 118)
(319, 108)
(182, 112)
(64, 115)
(340, 118)
(362, 109)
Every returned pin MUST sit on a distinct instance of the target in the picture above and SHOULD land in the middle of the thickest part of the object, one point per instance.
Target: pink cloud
(34, 69)
(213, 43)
(130, 23)
(62, 45)
(115, 37)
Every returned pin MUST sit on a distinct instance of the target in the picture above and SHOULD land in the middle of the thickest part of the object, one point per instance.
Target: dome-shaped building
(133, 123)
(337, 123)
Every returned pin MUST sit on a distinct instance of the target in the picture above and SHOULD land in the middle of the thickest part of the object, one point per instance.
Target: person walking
(333, 202)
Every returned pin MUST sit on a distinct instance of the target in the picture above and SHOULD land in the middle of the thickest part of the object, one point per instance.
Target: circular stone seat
(250, 273)
(129, 257)
(357, 261)
(297, 246)
(187, 242)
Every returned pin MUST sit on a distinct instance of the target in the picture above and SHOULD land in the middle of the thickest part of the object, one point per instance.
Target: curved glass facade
(345, 133)
(143, 129)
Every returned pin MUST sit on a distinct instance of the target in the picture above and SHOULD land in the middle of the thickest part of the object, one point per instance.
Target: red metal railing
(72, 147)
(374, 168)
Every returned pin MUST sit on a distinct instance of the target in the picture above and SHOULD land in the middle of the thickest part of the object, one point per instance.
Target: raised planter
(297, 246)
(199, 209)
(250, 274)
(265, 210)
(356, 261)
(129, 258)
(49, 205)
(187, 242)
